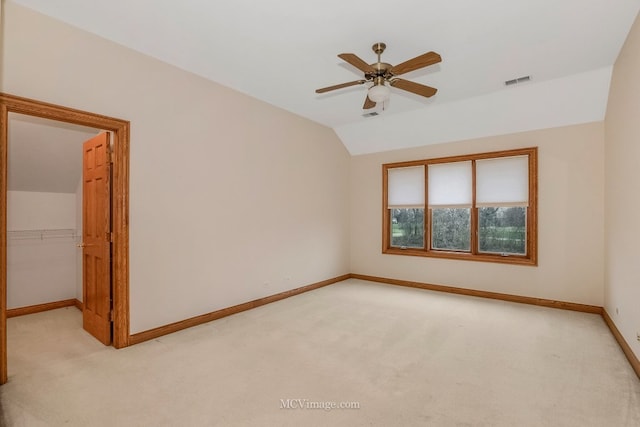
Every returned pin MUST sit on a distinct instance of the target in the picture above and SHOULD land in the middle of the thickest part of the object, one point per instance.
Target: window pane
(450, 184)
(502, 181)
(451, 229)
(407, 228)
(503, 230)
(406, 187)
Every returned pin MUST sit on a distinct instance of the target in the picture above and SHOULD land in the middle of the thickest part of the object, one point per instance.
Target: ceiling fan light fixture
(379, 93)
(381, 73)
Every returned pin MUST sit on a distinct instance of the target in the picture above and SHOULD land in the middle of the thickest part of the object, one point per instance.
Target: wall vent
(518, 80)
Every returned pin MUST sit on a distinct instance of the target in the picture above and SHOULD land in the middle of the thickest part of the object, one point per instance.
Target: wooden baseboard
(633, 359)
(38, 308)
(484, 294)
(79, 304)
(205, 318)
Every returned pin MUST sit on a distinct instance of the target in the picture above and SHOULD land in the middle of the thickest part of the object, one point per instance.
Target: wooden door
(96, 238)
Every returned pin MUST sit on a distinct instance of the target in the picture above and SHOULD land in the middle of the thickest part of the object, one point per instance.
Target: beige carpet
(406, 357)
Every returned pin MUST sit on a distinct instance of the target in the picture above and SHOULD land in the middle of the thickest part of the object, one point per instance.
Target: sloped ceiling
(280, 51)
(45, 155)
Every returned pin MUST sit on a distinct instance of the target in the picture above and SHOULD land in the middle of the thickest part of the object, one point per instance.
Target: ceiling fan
(381, 73)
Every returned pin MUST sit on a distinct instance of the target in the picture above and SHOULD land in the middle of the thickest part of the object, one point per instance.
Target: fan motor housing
(381, 68)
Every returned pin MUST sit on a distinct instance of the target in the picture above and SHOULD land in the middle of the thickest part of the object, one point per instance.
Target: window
(450, 199)
(478, 207)
(406, 203)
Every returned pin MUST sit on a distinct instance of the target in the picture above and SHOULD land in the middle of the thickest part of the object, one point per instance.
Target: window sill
(500, 259)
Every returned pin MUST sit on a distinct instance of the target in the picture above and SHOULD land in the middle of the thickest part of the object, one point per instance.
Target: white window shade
(405, 187)
(450, 185)
(502, 181)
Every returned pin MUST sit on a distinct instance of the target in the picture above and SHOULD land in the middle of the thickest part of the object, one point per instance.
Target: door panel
(96, 238)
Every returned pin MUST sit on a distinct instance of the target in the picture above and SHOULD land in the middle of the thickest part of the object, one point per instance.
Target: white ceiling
(280, 51)
(45, 155)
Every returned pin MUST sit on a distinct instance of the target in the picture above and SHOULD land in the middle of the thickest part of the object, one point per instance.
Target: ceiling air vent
(371, 114)
(518, 80)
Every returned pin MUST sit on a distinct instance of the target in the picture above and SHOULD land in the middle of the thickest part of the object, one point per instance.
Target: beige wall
(32, 210)
(622, 203)
(40, 270)
(571, 218)
(231, 199)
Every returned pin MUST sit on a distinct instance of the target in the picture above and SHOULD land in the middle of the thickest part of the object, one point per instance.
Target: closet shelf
(44, 234)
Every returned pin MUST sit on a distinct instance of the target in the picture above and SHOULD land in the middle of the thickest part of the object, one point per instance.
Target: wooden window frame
(531, 257)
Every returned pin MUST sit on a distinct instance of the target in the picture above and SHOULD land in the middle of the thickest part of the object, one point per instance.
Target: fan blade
(418, 62)
(357, 62)
(340, 86)
(414, 87)
(368, 104)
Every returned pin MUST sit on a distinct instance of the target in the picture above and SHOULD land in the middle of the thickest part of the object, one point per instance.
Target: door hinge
(110, 156)
(111, 316)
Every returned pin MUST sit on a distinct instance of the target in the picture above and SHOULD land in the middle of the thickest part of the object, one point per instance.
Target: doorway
(119, 264)
(45, 217)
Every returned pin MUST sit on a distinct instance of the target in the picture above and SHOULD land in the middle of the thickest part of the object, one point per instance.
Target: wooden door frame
(119, 207)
